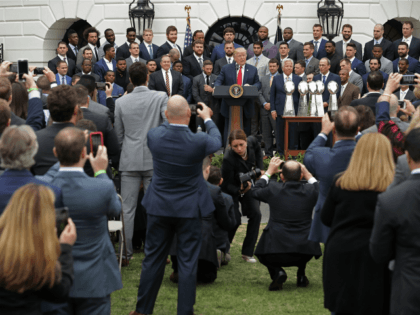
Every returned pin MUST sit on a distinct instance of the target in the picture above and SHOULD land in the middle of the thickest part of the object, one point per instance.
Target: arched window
(393, 30)
(79, 26)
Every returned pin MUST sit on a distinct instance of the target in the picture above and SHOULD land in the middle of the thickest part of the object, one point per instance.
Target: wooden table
(289, 119)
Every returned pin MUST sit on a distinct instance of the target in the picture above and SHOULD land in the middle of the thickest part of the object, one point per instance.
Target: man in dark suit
(333, 57)
(242, 74)
(404, 93)
(87, 70)
(61, 76)
(283, 54)
(378, 39)
(124, 49)
(334, 160)
(412, 42)
(396, 235)
(277, 102)
(356, 65)
(349, 91)
(167, 80)
(219, 51)
(375, 82)
(193, 64)
(91, 35)
(61, 56)
(73, 39)
(341, 46)
(107, 63)
(284, 243)
(403, 53)
(312, 63)
(175, 201)
(121, 74)
(171, 37)
(148, 50)
(198, 35)
(177, 66)
(319, 42)
(295, 47)
(227, 59)
(374, 65)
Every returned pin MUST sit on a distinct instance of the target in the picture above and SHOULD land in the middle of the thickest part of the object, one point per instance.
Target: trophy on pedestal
(332, 104)
(289, 109)
(319, 102)
(312, 91)
(303, 102)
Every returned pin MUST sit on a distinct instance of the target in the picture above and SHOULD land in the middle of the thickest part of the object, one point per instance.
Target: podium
(235, 97)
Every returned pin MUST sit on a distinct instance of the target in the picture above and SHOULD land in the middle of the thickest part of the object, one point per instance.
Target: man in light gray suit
(134, 55)
(135, 114)
(354, 78)
(386, 64)
(91, 34)
(312, 64)
(296, 48)
(340, 47)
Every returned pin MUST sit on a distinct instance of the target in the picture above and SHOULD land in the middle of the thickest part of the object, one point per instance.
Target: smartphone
(22, 68)
(100, 86)
(13, 68)
(61, 219)
(96, 139)
(331, 114)
(38, 70)
(408, 79)
(402, 104)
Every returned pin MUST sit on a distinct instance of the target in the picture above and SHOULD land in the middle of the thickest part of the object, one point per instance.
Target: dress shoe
(174, 277)
(302, 281)
(249, 259)
(278, 281)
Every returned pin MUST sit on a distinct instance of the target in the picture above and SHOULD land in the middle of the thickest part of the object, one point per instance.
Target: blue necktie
(62, 81)
(316, 48)
(307, 61)
(150, 51)
(323, 78)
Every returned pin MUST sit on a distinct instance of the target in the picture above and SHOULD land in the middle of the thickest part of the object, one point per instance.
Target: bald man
(176, 200)
(269, 49)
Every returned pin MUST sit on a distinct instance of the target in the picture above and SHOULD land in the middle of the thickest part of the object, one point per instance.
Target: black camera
(249, 176)
(194, 107)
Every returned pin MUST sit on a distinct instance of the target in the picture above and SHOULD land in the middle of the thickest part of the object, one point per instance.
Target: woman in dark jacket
(353, 282)
(243, 155)
(34, 264)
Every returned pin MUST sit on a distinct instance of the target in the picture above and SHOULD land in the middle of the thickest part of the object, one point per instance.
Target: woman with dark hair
(242, 156)
(366, 117)
(20, 99)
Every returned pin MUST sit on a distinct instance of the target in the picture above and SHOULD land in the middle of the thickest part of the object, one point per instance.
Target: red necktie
(239, 79)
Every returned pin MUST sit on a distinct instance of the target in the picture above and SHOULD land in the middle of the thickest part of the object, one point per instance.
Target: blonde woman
(34, 264)
(353, 282)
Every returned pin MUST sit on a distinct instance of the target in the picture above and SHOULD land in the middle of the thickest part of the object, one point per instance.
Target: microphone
(237, 67)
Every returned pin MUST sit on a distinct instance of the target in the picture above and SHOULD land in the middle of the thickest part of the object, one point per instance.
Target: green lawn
(240, 288)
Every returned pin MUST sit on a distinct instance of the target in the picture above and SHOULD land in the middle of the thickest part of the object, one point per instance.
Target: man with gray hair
(378, 39)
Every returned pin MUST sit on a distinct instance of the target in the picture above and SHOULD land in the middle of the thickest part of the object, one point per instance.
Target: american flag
(279, 36)
(188, 33)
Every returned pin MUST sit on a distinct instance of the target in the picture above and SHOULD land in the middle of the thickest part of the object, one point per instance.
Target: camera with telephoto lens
(249, 176)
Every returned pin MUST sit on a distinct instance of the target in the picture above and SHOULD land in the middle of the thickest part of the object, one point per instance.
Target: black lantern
(330, 17)
(141, 16)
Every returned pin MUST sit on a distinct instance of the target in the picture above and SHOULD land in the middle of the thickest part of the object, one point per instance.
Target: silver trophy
(289, 109)
(319, 102)
(312, 91)
(332, 105)
(303, 101)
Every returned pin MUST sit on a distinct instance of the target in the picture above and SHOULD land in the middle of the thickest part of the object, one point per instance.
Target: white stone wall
(32, 28)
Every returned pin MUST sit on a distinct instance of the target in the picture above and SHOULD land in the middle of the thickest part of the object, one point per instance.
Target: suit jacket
(364, 78)
(191, 67)
(324, 163)
(402, 171)
(144, 108)
(13, 179)
(220, 234)
(198, 92)
(165, 48)
(52, 65)
(412, 64)
(357, 80)
(335, 63)
(123, 51)
(408, 96)
(80, 56)
(342, 54)
(97, 77)
(100, 109)
(291, 205)
(401, 124)
(228, 77)
(178, 188)
(100, 68)
(117, 91)
(414, 49)
(387, 47)
(96, 271)
(262, 66)
(358, 67)
(219, 51)
(187, 89)
(264, 93)
(396, 235)
(157, 83)
(188, 51)
(269, 50)
(331, 77)
(278, 95)
(129, 61)
(295, 50)
(144, 51)
(350, 93)
(386, 65)
(312, 66)
(70, 54)
(321, 49)
(218, 65)
(369, 100)
(58, 79)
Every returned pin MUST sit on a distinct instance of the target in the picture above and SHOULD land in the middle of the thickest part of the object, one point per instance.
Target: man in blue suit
(319, 42)
(177, 66)
(230, 75)
(116, 89)
(219, 51)
(90, 201)
(324, 162)
(175, 201)
(277, 101)
(403, 53)
(356, 65)
(61, 77)
(148, 50)
(107, 63)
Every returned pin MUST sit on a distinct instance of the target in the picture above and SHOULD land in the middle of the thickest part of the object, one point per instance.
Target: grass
(240, 288)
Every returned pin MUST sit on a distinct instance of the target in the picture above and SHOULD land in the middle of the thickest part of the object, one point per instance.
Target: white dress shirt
(326, 76)
(94, 49)
(170, 79)
(71, 169)
(62, 58)
(109, 64)
(73, 48)
(351, 60)
(407, 40)
(243, 73)
(403, 94)
(379, 41)
(174, 45)
(343, 87)
(196, 57)
(134, 58)
(231, 59)
(345, 46)
(290, 77)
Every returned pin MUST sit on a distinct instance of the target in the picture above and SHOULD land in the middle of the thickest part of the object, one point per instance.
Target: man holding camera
(284, 242)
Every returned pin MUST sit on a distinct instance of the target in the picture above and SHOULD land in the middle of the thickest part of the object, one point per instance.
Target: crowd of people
(355, 190)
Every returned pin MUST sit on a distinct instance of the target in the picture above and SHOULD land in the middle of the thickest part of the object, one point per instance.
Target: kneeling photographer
(242, 164)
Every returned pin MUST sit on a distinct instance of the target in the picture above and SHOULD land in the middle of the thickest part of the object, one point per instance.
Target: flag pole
(279, 35)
